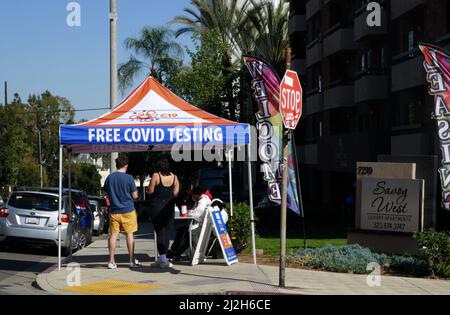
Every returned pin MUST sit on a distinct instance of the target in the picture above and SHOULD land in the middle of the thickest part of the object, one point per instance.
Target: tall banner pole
(250, 191)
(230, 176)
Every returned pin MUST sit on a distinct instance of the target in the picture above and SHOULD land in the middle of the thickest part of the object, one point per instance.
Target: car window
(34, 201)
(94, 204)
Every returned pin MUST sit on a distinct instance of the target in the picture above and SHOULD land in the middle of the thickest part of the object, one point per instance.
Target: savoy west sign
(392, 205)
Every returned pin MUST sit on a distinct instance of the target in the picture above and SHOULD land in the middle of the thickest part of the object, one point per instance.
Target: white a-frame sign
(213, 221)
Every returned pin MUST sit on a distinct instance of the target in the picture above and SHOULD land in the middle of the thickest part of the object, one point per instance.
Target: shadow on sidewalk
(92, 261)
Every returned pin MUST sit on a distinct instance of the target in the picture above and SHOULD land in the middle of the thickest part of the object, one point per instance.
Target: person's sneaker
(135, 264)
(156, 264)
(112, 266)
(159, 264)
(165, 265)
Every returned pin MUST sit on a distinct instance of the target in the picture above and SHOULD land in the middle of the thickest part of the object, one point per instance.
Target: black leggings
(162, 220)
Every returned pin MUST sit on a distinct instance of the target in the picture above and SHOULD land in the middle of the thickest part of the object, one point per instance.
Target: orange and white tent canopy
(152, 118)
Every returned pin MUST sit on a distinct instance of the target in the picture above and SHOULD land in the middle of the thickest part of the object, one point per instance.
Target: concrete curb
(41, 279)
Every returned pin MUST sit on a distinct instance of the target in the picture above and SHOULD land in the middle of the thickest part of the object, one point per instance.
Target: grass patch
(271, 245)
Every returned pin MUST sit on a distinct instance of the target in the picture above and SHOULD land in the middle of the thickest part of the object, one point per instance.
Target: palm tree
(161, 56)
(269, 25)
(223, 15)
(256, 26)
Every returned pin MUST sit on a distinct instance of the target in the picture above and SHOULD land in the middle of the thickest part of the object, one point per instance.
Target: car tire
(82, 241)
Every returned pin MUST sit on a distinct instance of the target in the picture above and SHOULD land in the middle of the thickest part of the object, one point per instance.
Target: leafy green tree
(16, 145)
(161, 57)
(46, 113)
(210, 83)
(84, 177)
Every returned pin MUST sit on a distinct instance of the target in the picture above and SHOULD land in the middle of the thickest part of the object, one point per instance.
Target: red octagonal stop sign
(291, 95)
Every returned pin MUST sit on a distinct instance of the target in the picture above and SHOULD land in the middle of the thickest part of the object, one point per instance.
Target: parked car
(100, 211)
(82, 207)
(32, 217)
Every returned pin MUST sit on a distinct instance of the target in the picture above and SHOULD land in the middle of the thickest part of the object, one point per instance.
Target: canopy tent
(152, 118)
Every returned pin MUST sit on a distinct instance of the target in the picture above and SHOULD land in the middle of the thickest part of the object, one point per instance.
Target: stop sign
(291, 95)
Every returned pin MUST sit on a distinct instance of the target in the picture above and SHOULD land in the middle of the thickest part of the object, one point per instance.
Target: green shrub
(239, 226)
(355, 259)
(435, 247)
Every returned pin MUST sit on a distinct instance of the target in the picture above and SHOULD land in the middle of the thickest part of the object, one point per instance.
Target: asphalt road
(19, 267)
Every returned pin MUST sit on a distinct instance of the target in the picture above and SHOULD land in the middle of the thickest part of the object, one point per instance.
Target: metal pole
(230, 175)
(40, 158)
(250, 192)
(113, 66)
(286, 139)
(69, 179)
(60, 205)
(6, 93)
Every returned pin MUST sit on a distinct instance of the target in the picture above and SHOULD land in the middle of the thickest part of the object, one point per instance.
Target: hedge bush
(355, 259)
(435, 247)
(239, 226)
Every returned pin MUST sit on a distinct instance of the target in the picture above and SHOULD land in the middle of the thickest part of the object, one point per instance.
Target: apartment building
(365, 89)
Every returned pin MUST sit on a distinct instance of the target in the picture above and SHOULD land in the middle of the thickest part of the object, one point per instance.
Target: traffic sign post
(291, 95)
(291, 100)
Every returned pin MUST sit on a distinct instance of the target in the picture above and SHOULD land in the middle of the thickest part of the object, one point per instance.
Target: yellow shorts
(120, 222)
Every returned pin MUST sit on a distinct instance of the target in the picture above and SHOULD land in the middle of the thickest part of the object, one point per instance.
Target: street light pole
(113, 66)
(40, 158)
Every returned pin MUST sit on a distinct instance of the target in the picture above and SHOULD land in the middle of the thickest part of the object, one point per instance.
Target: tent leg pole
(60, 205)
(230, 175)
(250, 191)
(70, 190)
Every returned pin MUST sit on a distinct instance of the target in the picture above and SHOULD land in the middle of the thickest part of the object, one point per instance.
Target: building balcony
(314, 104)
(371, 88)
(362, 30)
(308, 154)
(400, 7)
(340, 39)
(299, 65)
(340, 153)
(297, 23)
(313, 7)
(339, 96)
(314, 53)
(411, 144)
(408, 73)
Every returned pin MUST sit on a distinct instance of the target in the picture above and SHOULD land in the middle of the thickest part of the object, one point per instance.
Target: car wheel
(82, 242)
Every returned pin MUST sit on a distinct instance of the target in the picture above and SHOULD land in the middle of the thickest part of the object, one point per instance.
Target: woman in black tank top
(163, 190)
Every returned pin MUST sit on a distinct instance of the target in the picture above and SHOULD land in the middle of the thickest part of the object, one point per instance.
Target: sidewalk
(213, 277)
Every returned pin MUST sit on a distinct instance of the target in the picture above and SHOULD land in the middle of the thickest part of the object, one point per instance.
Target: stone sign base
(394, 244)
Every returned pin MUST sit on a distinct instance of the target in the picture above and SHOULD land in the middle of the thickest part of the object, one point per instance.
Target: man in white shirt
(198, 212)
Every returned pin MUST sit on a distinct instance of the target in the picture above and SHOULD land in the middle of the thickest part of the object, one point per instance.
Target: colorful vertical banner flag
(266, 87)
(437, 67)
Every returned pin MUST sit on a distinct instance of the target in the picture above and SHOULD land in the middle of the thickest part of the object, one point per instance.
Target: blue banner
(220, 227)
(155, 135)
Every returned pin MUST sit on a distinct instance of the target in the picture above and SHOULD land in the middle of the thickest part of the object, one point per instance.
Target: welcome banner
(266, 87)
(437, 67)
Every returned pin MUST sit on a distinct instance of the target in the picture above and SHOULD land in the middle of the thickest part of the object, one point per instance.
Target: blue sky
(39, 51)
